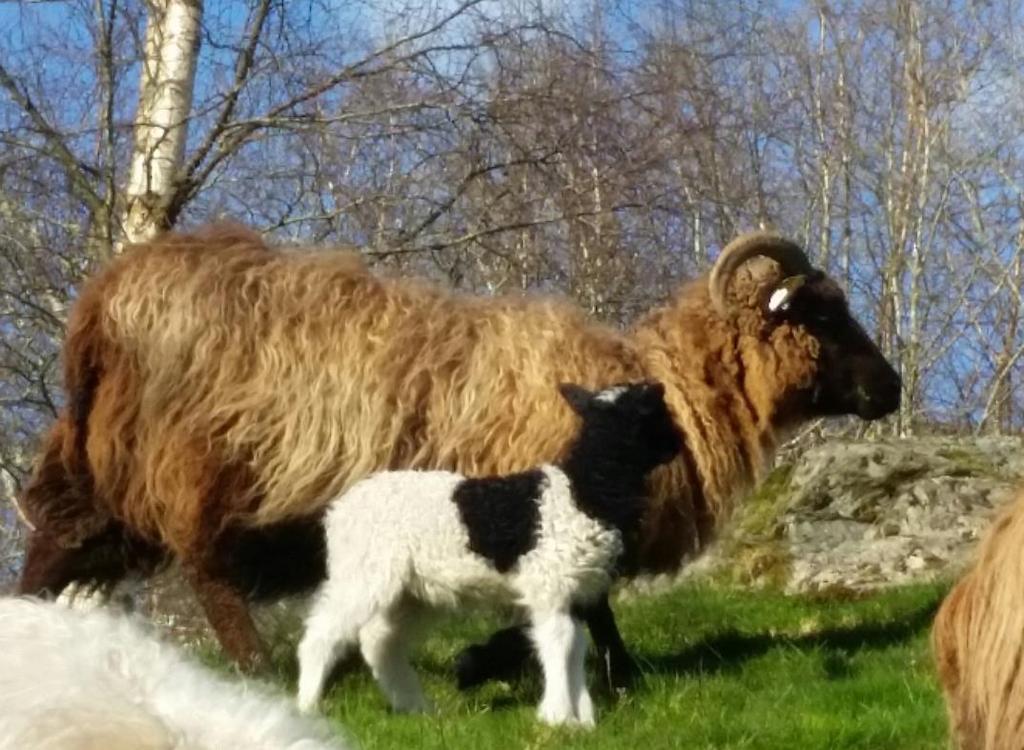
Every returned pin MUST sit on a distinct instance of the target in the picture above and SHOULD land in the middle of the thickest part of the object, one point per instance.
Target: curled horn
(790, 257)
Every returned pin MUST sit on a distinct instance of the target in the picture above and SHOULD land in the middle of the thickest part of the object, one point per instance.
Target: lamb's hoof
(562, 716)
(306, 702)
(471, 668)
(412, 704)
(555, 718)
(585, 711)
(622, 675)
(502, 657)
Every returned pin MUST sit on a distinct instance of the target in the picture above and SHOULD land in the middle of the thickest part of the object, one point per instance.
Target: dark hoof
(503, 657)
(254, 661)
(470, 668)
(255, 665)
(622, 675)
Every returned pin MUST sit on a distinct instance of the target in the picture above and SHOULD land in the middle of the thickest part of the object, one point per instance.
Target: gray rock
(863, 515)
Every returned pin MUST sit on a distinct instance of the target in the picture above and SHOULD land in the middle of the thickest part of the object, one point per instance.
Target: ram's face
(817, 359)
(851, 375)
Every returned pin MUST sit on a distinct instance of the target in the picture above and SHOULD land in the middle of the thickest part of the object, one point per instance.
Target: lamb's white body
(396, 541)
(72, 680)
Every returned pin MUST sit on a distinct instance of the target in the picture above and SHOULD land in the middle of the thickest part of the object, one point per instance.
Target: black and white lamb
(548, 540)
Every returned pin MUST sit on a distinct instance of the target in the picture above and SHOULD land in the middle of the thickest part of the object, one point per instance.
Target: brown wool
(979, 639)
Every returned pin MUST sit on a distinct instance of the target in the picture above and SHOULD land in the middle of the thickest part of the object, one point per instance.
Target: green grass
(724, 668)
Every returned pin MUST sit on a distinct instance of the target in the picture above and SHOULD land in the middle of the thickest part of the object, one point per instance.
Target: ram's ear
(782, 295)
(579, 398)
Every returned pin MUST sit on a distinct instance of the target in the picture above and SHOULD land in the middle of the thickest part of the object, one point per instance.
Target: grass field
(723, 669)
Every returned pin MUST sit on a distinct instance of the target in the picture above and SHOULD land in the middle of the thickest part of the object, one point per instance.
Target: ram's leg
(504, 656)
(619, 669)
(554, 634)
(226, 608)
(207, 493)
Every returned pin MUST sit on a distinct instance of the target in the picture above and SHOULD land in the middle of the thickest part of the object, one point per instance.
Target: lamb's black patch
(501, 515)
(504, 657)
(273, 561)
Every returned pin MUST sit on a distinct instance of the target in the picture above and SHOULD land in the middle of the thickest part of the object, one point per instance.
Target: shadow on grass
(727, 651)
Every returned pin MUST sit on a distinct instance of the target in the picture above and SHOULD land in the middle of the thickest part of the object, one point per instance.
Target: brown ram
(220, 392)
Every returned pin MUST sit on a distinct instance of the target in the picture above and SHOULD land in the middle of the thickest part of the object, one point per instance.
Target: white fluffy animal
(548, 540)
(72, 680)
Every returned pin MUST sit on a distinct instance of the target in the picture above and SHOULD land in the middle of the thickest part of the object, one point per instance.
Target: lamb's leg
(554, 634)
(505, 654)
(332, 627)
(581, 701)
(227, 610)
(385, 644)
(620, 671)
(503, 657)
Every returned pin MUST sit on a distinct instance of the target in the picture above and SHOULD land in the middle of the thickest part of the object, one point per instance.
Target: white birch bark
(161, 124)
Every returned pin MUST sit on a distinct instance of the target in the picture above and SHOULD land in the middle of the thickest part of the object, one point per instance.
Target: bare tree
(168, 68)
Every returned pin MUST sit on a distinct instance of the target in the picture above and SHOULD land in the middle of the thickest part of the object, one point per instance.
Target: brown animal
(979, 641)
(220, 392)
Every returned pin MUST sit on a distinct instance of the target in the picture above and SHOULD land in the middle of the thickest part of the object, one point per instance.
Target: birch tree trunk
(161, 123)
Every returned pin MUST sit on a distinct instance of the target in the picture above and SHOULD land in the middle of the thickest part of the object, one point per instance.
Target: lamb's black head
(625, 424)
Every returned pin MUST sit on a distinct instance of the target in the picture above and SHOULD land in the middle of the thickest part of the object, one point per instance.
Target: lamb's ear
(579, 398)
(652, 397)
(655, 389)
